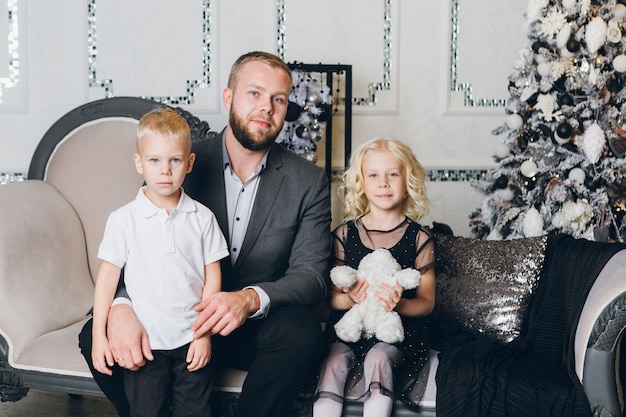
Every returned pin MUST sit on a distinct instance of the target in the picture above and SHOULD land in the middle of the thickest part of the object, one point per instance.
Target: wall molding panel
(471, 38)
(12, 54)
(189, 21)
(379, 95)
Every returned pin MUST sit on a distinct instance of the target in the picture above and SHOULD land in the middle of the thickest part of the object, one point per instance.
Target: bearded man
(274, 209)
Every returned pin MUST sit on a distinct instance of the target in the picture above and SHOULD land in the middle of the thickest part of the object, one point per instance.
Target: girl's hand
(199, 353)
(357, 292)
(389, 296)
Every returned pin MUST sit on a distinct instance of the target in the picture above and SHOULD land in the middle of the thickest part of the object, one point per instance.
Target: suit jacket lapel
(269, 187)
(208, 173)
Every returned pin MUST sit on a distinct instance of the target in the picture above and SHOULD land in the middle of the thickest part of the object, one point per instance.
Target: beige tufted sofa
(50, 228)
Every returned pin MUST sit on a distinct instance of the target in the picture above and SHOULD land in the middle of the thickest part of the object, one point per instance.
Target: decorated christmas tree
(561, 149)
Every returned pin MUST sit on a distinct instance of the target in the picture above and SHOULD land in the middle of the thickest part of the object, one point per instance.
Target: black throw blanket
(533, 376)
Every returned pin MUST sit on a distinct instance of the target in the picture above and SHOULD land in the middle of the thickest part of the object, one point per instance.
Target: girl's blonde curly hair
(356, 205)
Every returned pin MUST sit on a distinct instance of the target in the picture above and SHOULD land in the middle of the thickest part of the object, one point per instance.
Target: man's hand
(128, 339)
(224, 312)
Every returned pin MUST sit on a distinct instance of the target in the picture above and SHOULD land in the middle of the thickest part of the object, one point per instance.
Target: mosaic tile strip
(456, 175)
(8, 177)
(435, 175)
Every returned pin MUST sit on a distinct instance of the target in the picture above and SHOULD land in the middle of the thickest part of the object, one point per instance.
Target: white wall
(152, 47)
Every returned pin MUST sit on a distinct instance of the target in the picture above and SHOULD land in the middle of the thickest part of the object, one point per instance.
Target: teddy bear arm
(343, 276)
(408, 278)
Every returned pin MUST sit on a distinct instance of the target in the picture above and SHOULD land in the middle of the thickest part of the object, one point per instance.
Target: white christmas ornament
(576, 216)
(544, 69)
(563, 36)
(514, 121)
(552, 23)
(502, 150)
(569, 4)
(506, 194)
(577, 175)
(619, 63)
(613, 32)
(595, 35)
(593, 142)
(533, 223)
(619, 11)
(527, 93)
(557, 220)
(528, 168)
(547, 104)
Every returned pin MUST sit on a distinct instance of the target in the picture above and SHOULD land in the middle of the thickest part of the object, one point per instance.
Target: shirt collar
(226, 158)
(148, 209)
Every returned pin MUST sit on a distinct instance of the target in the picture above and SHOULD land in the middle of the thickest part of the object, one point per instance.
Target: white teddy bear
(369, 318)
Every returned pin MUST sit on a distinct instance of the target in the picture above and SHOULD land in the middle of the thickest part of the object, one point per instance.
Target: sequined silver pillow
(485, 286)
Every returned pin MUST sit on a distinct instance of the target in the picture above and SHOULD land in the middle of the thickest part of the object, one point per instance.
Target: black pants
(165, 384)
(279, 352)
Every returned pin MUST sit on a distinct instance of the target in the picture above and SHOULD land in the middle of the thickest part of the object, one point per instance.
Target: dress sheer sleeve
(339, 237)
(425, 244)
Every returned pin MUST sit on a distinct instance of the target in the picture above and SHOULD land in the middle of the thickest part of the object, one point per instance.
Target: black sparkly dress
(412, 247)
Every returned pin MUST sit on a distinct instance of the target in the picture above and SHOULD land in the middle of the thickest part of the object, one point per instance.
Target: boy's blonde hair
(166, 122)
(259, 56)
(356, 204)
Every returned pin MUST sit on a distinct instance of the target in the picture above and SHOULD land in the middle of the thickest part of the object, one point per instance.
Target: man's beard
(245, 137)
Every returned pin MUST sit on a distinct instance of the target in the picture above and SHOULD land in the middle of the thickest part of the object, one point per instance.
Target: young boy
(170, 247)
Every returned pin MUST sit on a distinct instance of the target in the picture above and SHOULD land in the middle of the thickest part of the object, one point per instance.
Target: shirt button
(234, 249)
(237, 218)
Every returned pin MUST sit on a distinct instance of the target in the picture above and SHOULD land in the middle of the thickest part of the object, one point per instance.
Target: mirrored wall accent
(10, 68)
(199, 53)
(456, 175)
(9, 177)
(372, 87)
(496, 39)
(434, 175)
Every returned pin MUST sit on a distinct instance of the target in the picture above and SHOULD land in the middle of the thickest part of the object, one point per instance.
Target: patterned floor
(39, 403)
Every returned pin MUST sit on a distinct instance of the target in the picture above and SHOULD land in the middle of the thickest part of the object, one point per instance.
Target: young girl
(385, 196)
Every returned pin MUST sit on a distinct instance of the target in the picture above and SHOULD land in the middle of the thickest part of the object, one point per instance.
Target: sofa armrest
(45, 282)
(598, 336)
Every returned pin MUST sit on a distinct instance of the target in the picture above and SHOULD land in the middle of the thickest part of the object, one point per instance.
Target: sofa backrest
(87, 155)
(93, 169)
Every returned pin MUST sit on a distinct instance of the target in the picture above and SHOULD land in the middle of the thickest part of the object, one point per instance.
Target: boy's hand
(101, 355)
(199, 353)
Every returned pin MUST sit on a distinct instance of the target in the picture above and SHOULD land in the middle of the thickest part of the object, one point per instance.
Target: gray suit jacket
(286, 249)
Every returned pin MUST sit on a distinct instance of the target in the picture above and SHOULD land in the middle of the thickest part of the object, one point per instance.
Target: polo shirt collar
(148, 209)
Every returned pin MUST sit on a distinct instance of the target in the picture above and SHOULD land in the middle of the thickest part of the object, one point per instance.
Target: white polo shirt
(163, 257)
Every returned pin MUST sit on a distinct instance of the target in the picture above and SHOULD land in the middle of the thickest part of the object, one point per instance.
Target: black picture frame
(330, 70)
